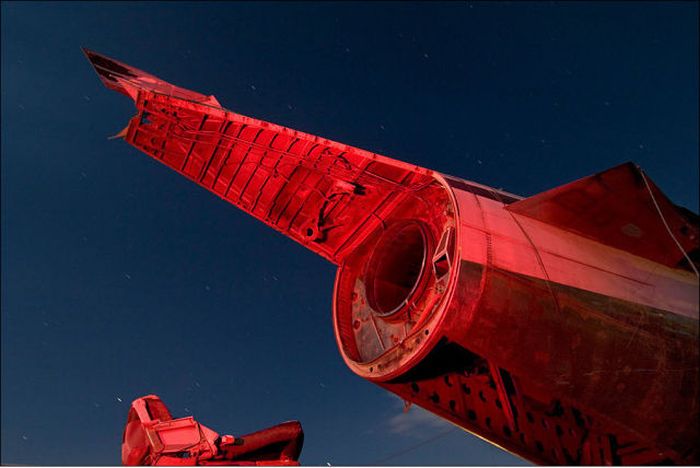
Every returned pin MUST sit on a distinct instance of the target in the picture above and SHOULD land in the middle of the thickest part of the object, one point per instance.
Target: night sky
(121, 278)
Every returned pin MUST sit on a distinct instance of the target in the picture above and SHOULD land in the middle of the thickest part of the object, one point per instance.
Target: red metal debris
(153, 437)
(562, 327)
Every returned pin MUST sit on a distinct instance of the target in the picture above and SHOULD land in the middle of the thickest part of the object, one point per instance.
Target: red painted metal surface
(562, 327)
(153, 437)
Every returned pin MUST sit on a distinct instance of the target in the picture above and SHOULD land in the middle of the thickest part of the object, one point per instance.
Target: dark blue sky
(120, 278)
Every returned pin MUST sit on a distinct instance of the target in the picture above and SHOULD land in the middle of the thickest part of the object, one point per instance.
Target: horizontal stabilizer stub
(621, 208)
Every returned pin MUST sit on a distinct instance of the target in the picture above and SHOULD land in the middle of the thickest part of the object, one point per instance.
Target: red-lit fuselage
(545, 342)
(562, 327)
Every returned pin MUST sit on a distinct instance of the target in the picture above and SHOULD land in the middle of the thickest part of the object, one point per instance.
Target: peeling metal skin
(561, 327)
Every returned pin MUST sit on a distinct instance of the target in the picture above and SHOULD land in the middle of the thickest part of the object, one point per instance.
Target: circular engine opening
(395, 268)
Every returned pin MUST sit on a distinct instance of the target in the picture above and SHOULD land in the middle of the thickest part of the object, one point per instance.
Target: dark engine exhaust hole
(396, 267)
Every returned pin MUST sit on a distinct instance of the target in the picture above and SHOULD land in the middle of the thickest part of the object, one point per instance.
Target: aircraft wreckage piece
(153, 437)
(561, 327)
